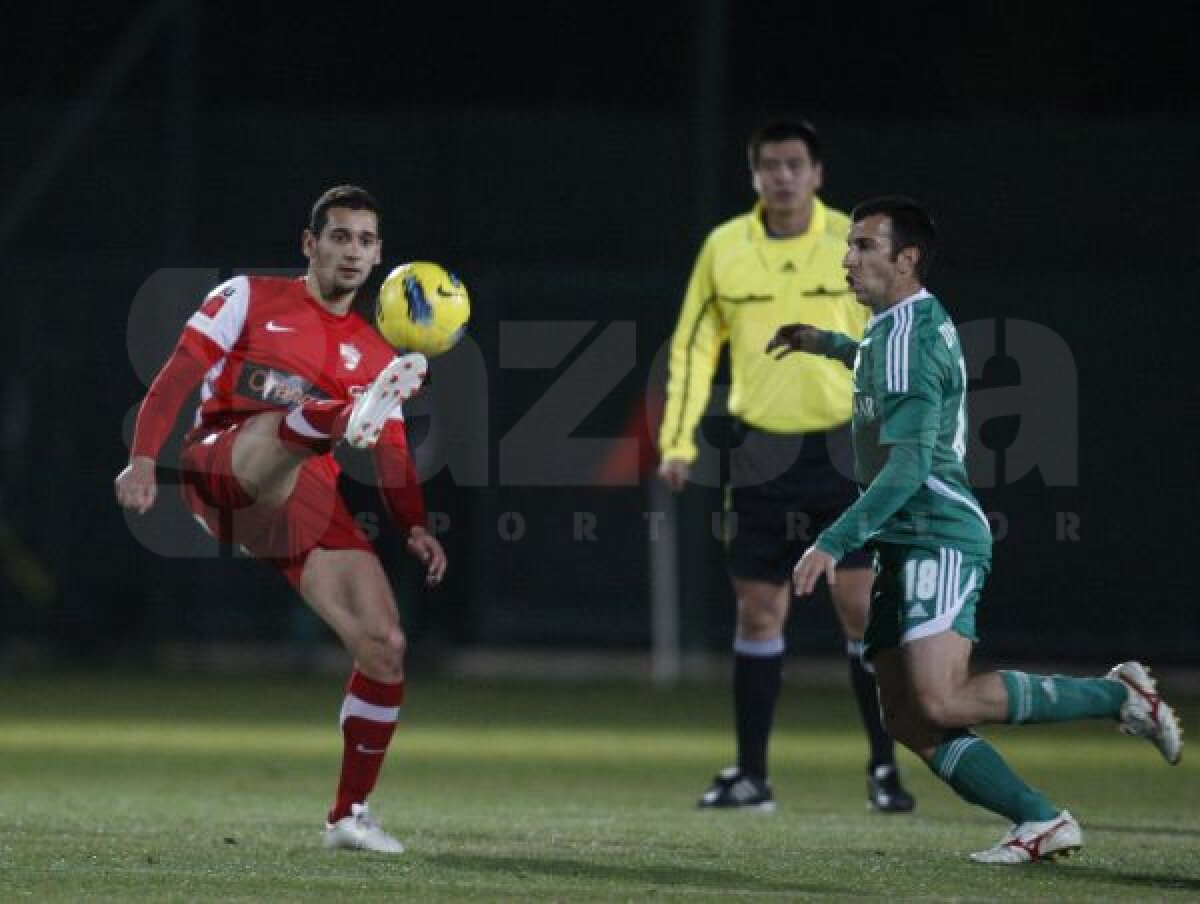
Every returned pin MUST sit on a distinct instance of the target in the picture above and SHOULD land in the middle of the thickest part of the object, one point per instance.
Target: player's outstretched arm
(137, 485)
(803, 337)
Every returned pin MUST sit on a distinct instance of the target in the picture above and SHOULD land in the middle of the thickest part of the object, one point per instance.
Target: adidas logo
(789, 267)
(917, 611)
(1051, 689)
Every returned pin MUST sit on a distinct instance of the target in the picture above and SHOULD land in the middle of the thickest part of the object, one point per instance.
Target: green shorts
(921, 592)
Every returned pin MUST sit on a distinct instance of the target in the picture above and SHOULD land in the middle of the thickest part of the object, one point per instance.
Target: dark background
(566, 159)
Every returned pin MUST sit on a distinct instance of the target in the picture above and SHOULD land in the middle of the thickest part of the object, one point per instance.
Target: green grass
(198, 789)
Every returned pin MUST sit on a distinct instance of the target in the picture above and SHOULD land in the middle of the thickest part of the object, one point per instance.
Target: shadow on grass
(699, 878)
(1145, 881)
(1164, 831)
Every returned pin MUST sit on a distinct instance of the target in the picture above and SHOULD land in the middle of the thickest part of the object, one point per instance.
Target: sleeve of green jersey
(909, 426)
(839, 347)
(907, 467)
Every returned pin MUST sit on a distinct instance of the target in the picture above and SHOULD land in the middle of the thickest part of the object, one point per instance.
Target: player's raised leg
(1127, 694)
(271, 447)
(349, 590)
(1145, 714)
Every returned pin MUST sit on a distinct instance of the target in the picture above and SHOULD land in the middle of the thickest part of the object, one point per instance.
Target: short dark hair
(912, 227)
(784, 130)
(349, 196)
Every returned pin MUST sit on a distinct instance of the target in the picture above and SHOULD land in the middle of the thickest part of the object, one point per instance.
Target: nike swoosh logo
(444, 293)
(371, 750)
(273, 327)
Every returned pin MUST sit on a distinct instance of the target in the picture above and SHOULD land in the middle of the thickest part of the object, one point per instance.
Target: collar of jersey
(817, 224)
(912, 299)
(325, 313)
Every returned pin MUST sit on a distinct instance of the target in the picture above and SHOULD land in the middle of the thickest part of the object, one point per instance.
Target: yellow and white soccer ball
(422, 308)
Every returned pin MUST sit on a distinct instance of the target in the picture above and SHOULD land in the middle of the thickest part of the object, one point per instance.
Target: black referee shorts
(784, 489)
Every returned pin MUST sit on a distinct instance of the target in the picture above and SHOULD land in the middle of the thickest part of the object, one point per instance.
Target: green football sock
(1058, 698)
(977, 772)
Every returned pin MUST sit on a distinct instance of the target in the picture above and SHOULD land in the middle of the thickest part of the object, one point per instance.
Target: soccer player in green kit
(933, 547)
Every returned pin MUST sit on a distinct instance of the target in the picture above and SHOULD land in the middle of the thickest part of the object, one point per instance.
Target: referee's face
(785, 176)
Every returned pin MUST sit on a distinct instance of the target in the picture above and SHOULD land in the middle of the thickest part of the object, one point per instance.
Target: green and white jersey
(910, 384)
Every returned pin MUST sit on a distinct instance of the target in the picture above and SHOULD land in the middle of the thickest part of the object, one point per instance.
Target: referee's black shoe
(733, 789)
(885, 793)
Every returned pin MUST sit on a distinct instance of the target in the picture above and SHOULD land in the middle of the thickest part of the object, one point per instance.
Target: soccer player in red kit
(287, 370)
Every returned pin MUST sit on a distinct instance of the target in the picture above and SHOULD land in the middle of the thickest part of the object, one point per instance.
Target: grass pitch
(199, 789)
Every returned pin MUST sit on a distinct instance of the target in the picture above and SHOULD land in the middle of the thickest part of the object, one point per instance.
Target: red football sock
(314, 426)
(369, 714)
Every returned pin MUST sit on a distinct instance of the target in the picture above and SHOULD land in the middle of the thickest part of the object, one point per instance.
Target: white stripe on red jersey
(223, 315)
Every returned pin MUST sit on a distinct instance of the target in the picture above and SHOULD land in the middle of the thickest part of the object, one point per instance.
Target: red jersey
(278, 347)
(265, 344)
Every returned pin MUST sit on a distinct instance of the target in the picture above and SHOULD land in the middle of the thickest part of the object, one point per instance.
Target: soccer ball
(422, 308)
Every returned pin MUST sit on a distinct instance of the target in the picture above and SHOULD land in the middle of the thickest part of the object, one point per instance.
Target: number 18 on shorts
(921, 592)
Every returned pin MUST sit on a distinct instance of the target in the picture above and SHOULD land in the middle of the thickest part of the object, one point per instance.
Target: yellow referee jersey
(744, 286)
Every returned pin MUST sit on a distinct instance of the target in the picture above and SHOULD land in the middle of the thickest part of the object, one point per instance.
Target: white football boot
(1145, 714)
(396, 383)
(1031, 842)
(359, 832)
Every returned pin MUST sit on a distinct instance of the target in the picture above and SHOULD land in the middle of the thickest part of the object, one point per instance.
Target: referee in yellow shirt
(792, 473)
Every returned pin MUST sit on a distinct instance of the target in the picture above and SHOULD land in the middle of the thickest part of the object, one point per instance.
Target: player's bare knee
(381, 664)
(937, 709)
(391, 651)
(397, 645)
(758, 620)
(380, 653)
(852, 606)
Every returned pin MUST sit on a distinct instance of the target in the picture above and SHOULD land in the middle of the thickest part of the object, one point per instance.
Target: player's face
(785, 176)
(343, 255)
(870, 269)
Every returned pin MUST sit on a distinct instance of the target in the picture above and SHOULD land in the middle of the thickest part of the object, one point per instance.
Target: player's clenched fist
(137, 486)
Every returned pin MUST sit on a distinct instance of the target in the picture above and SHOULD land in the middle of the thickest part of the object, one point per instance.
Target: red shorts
(314, 516)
